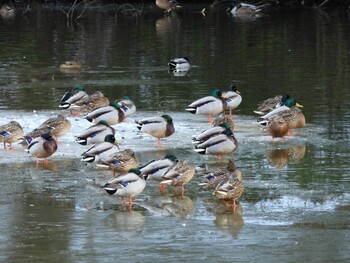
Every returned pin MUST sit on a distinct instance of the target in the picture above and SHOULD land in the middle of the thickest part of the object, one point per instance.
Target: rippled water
(295, 207)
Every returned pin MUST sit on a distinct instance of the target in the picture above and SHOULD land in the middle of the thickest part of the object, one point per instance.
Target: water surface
(295, 207)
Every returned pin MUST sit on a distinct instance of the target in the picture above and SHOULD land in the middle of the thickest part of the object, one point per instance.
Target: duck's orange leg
(210, 119)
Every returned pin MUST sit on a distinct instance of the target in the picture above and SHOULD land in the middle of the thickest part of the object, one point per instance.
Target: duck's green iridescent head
(110, 138)
(167, 117)
(226, 126)
(234, 88)
(290, 102)
(170, 157)
(103, 122)
(126, 98)
(115, 105)
(135, 171)
(78, 88)
(216, 93)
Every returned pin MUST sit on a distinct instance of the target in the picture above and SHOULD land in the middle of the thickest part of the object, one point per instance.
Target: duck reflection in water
(170, 205)
(130, 223)
(230, 222)
(279, 158)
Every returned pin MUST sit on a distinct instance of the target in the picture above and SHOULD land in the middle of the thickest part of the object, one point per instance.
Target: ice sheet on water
(247, 131)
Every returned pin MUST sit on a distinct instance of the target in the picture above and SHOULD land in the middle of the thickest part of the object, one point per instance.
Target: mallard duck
(277, 127)
(224, 120)
(159, 127)
(209, 105)
(291, 115)
(29, 136)
(233, 98)
(271, 104)
(127, 105)
(113, 114)
(220, 144)
(95, 133)
(230, 189)
(58, 125)
(7, 11)
(73, 96)
(42, 147)
(295, 118)
(211, 132)
(155, 169)
(179, 174)
(101, 150)
(120, 162)
(10, 133)
(127, 185)
(168, 5)
(90, 103)
(179, 64)
(212, 179)
(243, 10)
(71, 64)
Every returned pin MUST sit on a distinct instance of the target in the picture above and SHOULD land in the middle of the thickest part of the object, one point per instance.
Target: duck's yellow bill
(299, 105)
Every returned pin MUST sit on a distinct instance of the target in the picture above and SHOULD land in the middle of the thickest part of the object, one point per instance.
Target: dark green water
(294, 209)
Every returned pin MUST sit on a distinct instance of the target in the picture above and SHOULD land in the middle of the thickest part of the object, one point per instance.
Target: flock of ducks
(279, 114)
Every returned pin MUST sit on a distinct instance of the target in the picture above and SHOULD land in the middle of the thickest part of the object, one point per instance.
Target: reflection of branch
(323, 3)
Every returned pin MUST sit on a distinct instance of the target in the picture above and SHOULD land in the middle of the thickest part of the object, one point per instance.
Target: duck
(168, 5)
(224, 119)
(277, 127)
(10, 133)
(73, 96)
(290, 112)
(271, 104)
(158, 127)
(244, 10)
(294, 118)
(112, 113)
(127, 106)
(120, 162)
(230, 189)
(212, 179)
(42, 147)
(209, 105)
(233, 98)
(155, 169)
(29, 136)
(179, 64)
(90, 103)
(71, 64)
(101, 150)
(59, 125)
(218, 145)
(95, 133)
(179, 174)
(127, 185)
(210, 132)
(7, 12)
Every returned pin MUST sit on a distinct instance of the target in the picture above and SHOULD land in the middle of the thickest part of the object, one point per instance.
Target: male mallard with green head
(218, 145)
(112, 113)
(158, 127)
(127, 185)
(209, 105)
(95, 133)
(70, 97)
(42, 147)
(101, 150)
